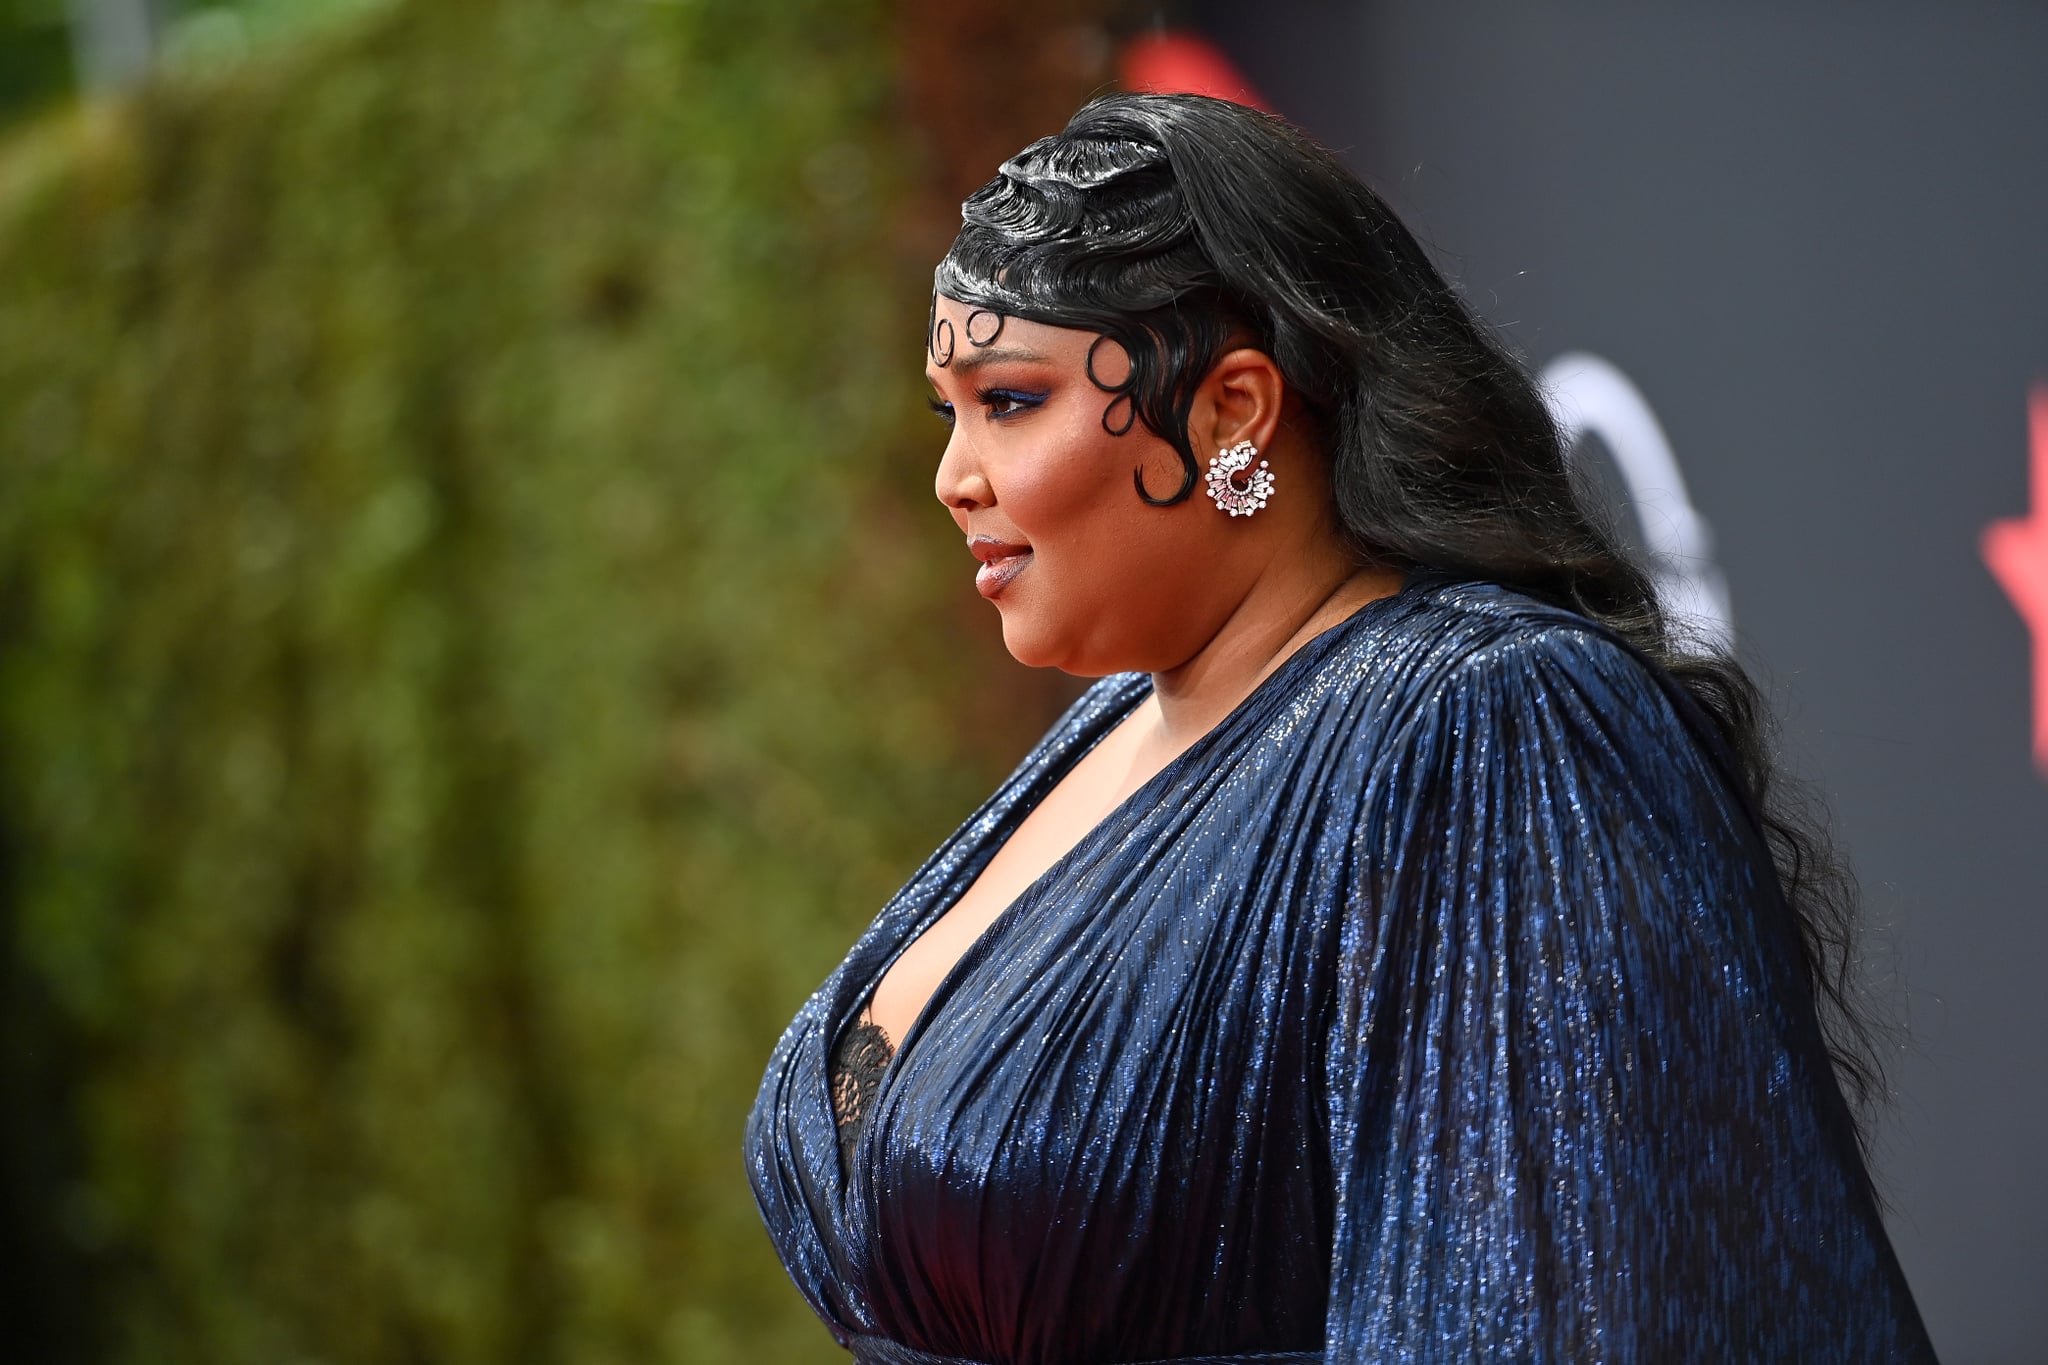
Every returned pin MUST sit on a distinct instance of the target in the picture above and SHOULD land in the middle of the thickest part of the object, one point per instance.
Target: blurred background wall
(476, 643)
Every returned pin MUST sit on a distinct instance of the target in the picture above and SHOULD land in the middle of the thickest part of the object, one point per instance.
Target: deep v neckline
(1115, 718)
(854, 1013)
(868, 1054)
(851, 1012)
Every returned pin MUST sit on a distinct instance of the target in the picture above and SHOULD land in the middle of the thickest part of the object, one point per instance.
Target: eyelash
(988, 398)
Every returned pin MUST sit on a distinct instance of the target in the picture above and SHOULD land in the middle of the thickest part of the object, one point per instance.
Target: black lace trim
(863, 1055)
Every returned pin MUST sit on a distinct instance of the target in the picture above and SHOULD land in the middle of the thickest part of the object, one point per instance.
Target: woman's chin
(1038, 649)
(1034, 641)
(1027, 646)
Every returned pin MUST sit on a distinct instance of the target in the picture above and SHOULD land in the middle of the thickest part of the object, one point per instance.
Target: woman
(1394, 957)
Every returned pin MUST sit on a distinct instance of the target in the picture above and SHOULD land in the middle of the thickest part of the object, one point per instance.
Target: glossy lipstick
(1001, 562)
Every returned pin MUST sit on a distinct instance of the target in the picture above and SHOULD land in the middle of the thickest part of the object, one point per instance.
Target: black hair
(1174, 224)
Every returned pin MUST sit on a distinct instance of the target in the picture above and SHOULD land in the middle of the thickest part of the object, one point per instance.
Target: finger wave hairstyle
(1178, 225)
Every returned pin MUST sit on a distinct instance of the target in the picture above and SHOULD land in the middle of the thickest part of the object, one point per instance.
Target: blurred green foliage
(475, 645)
(38, 66)
(35, 55)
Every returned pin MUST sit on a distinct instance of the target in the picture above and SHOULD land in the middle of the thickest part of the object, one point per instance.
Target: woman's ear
(1239, 400)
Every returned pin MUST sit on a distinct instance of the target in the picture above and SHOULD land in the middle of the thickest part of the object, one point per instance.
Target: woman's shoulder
(1478, 654)
(1442, 649)
(1472, 624)
(1436, 627)
(1440, 629)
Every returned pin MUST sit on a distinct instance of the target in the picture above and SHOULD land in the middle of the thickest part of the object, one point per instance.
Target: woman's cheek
(1045, 495)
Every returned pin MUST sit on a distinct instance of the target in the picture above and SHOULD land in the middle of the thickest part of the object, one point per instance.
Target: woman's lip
(988, 549)
(995, 575)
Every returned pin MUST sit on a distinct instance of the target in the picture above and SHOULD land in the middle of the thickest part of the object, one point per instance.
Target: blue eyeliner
(1023, 400)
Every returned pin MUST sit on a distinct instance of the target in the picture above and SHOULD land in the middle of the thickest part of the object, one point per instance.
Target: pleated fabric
(1438, 1005)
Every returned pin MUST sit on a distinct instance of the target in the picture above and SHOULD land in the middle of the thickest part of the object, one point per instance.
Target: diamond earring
(1239, 499)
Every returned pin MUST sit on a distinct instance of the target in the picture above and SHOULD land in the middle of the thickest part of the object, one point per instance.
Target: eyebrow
(975, 359)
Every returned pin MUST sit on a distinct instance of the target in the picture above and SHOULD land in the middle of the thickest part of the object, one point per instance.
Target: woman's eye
(1008, 402)
(997, 403)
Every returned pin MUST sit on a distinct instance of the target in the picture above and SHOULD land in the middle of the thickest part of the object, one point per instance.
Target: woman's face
(1088, 577)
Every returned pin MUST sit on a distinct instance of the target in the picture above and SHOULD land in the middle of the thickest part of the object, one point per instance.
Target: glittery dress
(1438, 1005)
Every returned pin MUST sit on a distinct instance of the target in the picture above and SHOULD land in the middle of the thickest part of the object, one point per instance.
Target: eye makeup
(999, 403)
(1019, 400)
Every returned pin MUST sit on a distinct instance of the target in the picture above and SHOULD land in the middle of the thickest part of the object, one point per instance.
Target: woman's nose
(960, 483)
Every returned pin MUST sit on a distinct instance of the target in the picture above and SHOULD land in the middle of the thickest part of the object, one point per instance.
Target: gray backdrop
(1815, 237)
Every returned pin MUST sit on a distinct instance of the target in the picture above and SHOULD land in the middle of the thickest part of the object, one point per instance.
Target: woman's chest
(1093, 791)
(1132, 1098)
(1126, 993)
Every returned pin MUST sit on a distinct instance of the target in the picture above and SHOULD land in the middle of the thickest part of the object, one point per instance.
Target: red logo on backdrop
(2017, 552)
(1182, 63)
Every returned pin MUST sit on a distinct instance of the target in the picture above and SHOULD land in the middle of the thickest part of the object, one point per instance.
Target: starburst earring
(1240, 499)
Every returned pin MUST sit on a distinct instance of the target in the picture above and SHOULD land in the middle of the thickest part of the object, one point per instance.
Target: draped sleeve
(1579, 1107)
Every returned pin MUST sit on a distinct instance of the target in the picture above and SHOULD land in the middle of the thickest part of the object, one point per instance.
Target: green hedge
(475, 644)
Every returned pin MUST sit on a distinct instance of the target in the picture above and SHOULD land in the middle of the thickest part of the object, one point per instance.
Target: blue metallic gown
(1440, 1004)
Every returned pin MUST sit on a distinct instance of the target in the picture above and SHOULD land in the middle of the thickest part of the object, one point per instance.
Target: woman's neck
(1279, 615)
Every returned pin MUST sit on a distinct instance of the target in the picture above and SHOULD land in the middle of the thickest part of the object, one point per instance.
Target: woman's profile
(1401, 953)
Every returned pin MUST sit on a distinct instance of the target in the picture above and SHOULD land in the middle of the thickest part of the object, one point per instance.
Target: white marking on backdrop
(1589, 395)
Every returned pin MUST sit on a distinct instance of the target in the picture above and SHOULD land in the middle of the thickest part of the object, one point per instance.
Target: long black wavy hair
(1174, 224)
